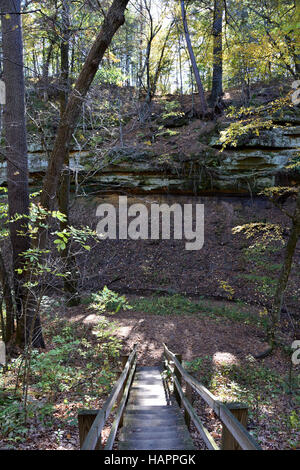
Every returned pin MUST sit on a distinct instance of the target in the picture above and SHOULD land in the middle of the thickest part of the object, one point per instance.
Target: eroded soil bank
(230, 266)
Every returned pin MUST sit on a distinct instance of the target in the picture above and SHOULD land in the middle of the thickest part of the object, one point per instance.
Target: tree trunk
(140, 64)
(159, 66)
(17, 167)
(153, 32)
(9, 304)
(293, 47)
(203, 105)
(114, 19)
(217, 88)
(285, 271)
(180, 65)
(45, 77)
(127, 56)
(70, 281)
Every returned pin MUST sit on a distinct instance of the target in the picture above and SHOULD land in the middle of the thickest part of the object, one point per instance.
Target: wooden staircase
(144, 419)
(149, 423)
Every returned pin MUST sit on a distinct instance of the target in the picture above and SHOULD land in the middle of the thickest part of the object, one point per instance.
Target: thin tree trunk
(160, 61)
(293, 48)
(8, 299)
(180, 65)
(114, 19)
(46, 65)
(71, 279)
(217, 88)
(140, 65)
(17, 166)
(127, 57)
(285, 271)
(203, 105)
(146, 67)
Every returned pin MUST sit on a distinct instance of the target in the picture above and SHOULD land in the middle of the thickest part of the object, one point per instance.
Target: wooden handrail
(111, 438)
(208, 439)
(95, 431)
(242, 436)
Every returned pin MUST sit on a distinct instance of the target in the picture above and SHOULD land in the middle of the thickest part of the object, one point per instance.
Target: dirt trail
(192, 336)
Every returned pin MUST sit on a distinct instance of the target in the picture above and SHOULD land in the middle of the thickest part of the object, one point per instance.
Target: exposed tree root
(265, 353)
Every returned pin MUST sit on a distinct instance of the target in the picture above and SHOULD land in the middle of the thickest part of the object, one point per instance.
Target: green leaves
(58, 215)
(35, 260)
(251, 120)
(232, 134)
(111, 75)
(109, 301)
(62, 240)
(14, 417)
(76, 235)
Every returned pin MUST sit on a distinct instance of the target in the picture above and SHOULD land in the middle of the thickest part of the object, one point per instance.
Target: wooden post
(124, 359)
(166, 379)
(240, 412)
(178, 376)
(85, 421)
(189, 395)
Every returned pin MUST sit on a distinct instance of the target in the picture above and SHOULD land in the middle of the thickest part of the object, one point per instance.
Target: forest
(149, 225)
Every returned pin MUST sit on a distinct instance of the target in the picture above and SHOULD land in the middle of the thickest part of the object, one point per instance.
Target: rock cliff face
(255, 163)
(259, 161)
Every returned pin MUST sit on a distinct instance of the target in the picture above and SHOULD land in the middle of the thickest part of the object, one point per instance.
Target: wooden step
(142, 409)
(150, 432)
(148, 417)
(149, 423)
(151, 411)
(156, 444)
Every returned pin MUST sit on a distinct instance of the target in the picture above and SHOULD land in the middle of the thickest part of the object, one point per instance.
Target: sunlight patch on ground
(222, 358)
(92, 318)
(124, 331)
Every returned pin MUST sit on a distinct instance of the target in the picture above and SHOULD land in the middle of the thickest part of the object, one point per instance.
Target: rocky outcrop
(255, 163)
(259, 161)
